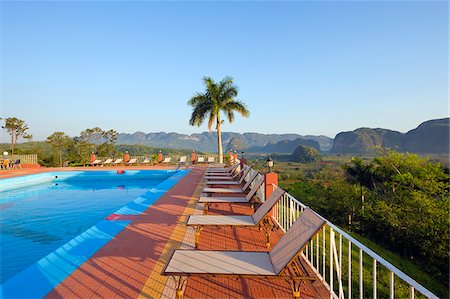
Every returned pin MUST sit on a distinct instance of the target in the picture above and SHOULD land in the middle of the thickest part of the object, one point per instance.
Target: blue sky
(313, 68)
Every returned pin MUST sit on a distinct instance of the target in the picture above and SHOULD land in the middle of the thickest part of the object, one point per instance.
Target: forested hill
(429, 137)
(207, 141)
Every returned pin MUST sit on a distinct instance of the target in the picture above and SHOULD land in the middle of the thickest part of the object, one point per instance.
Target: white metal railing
(333, 254)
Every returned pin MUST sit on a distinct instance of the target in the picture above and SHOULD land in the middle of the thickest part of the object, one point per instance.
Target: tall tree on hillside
(94, 135)
(218, 97)
(361, 174)
(111, 137)
(60, 141)
(17, 129)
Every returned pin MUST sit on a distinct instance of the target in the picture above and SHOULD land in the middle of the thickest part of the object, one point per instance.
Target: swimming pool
(40, 213)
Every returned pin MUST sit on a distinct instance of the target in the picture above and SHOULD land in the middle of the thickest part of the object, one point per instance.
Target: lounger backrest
(166, 160)
(250, 180)
(132, 161)
(244, 173)
(210, 159)
(183, 159)
(254, 188)
(201, 159)
(303, 230)
(118, 161)
(267, 205)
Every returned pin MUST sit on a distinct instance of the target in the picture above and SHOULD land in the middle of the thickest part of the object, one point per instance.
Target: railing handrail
(369, 252)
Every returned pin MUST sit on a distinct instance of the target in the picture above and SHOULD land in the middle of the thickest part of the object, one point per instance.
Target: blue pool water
(37, 219)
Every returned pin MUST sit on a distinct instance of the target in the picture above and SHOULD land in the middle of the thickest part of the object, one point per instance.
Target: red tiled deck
(130, 265)
(243, 239)
(121, 268)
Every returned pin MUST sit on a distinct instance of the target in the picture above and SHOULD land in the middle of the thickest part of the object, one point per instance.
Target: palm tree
(218, 97)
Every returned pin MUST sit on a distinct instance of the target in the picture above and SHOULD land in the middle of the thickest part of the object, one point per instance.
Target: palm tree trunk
(219, 141)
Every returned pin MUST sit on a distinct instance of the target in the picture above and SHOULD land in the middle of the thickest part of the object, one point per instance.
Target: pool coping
(45, 274)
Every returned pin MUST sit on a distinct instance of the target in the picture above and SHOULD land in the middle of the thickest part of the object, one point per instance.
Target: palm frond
(239, 107)
(230, 114)
(212, 118)
(199, 113)
(196, 99)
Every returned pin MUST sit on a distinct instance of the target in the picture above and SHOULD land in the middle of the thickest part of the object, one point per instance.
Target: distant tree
(59, 141)
(17, 129)
(111, 137)
(218, 97)
(80, 150)
(94, 135)
(361, 174)
(305, 154)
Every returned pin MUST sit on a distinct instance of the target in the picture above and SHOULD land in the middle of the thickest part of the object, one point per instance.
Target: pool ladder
(181, 164)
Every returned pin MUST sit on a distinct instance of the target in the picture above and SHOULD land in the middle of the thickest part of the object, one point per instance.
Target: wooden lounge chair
(206, 201)
(16, 165)
(107, 162)
(183, 159)
(167, 160)
(243, 172)
(210, 191)
(282, 262)
(118, 161)
(259, 218)
(96, 162)
(229, 182)
(226, 176)
(146, 161)
(132, 161)
(227, 170)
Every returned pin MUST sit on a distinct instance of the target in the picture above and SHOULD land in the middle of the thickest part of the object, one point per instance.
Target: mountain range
(207, 141)
(429, 137)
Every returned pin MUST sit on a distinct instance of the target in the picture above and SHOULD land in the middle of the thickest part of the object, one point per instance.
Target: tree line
(398, 200)
(59, 147)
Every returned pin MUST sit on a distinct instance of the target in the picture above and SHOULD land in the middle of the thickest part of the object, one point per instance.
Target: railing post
(411, 292)
(193, 157)
(391, 283)
(331, 262)
(323, 253)
(160, 157)
(349, 270)
(374, 279)
(340, 266)
(92, 157)
(270, 179)
(126, 157)
(361, 290)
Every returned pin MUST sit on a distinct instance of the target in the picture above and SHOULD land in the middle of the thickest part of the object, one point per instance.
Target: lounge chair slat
(220, 262)
(223, 183)
(204, 220)
(223, 199)
(222, 190)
